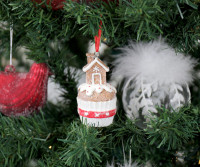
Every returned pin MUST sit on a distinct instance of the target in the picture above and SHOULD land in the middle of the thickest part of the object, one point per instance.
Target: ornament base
(97, 114)
(96, 122)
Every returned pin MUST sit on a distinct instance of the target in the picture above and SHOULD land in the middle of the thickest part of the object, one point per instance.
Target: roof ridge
(96, 60)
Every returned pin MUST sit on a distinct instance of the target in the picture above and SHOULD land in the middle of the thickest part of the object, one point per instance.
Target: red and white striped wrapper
(97, 114)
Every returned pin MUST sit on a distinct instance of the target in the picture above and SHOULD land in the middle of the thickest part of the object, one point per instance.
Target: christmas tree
(58, 33)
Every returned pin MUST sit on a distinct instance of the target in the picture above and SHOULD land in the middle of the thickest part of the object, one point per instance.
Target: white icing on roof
(87, 67)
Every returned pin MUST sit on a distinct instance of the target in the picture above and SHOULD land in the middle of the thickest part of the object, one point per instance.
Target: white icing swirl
(90, 88)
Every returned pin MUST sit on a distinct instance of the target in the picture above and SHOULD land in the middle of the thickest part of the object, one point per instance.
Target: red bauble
(92, 1)
(58, 4)
(55, 4)
(23, 93)
(89, 1)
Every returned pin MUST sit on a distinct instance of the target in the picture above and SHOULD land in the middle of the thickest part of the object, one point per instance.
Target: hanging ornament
(106, 1)
(155, 76)
(59, 4)
(22, 93)
(55, 4)
(96, 98)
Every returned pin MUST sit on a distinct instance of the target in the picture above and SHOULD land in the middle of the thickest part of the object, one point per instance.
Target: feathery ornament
(155, 76)
(154, 61)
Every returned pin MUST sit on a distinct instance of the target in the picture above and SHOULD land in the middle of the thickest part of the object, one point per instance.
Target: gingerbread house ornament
(96, 98)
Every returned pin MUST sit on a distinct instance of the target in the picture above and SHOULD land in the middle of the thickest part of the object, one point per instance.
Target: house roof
(96, 60)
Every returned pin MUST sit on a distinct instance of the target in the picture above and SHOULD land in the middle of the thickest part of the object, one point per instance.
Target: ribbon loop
(98, 38)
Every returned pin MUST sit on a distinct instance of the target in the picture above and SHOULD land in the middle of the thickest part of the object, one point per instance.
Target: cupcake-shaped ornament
(96, 98)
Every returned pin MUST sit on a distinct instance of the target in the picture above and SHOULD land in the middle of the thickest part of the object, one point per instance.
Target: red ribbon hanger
(97, 39)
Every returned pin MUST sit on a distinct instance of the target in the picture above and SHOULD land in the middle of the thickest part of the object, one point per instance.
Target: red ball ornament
(55, 4)
(23, 93)
(58, 4)
(106, 1)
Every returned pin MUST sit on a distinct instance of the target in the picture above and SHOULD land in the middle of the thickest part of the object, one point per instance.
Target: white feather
(154, 61)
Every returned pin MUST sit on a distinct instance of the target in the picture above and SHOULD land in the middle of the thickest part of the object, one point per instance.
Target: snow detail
(96, 69)
(141, 97)
(177, 99)
(90, 88)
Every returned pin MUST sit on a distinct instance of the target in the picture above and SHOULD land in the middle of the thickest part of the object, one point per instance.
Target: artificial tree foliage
(55, 136)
